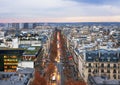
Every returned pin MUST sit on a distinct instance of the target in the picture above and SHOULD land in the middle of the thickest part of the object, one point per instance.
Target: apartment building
(100, 62)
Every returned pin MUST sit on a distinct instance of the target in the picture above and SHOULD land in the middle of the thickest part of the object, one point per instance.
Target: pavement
(60, 72)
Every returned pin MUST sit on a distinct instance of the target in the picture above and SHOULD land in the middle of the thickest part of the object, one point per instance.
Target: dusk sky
(60, 10)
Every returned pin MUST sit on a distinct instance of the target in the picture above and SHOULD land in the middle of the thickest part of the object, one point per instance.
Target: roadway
(60, 66)
(59, 63)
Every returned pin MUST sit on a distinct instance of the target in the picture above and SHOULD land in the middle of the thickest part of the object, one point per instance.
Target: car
(53, 78)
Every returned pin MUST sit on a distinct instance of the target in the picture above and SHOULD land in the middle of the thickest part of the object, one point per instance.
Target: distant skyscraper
(9, 25)
(34, 25)
(25, 25)
(21, 25)
(15, 25)
(6, 25)
(12, 25)
(30, 25)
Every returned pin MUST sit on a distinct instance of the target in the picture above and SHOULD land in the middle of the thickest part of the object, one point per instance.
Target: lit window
(5, 56)
(5, 66)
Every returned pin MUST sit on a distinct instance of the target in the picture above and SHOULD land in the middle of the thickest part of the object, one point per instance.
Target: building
(99, 63)
(21, 77)
(25, 25)
(97, 80)
(31, 53)
(15, 25)
(29, 57)
(2, 34)
(21, 25)
(9, 59)
(30, 25)
(12, 42)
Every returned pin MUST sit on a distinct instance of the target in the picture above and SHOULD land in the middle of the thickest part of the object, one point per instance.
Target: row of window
(114, 76)
(10, 56)
(28, 58)
(10, 70)
(10, 60)
(7, 67)
(103, 65)
(10, 63)
(103, 54)
(102, 71)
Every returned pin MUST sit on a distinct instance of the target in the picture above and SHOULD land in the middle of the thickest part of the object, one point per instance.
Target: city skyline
(59, 11)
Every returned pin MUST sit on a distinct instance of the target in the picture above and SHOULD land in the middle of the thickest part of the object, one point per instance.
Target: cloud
(57, 9)
(98, 2)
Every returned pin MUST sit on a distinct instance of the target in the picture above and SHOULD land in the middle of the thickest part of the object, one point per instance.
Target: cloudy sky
(59, 10)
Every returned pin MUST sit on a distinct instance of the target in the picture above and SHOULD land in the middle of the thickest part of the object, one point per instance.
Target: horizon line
(67, 22)
(63, 19)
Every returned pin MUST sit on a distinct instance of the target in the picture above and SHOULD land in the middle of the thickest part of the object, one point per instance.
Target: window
(118, 76)
(89, 75)
(108, 71)
(5, 56)
(118, 71)
(89, 70)
(114, 66)
(108, 65)
(102, 71)
(118, 65)
(96, 65)
(96, 70)
(5, 66)
(89, 64)
(114, 71)
(13, 57)
(102, 65)
(114, 76)
(108, 76)
(14, 67)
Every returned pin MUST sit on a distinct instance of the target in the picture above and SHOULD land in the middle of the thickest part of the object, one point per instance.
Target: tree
(73, 82)
(38, 80)
(50, 69)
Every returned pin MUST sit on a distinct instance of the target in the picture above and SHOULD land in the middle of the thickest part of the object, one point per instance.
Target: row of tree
(39, 78)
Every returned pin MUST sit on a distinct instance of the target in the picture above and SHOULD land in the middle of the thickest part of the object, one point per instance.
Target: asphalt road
(60, 72)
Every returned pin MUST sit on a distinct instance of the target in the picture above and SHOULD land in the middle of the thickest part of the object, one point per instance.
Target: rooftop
(11, 51)
(32, 50)
(16, 78)
(97, 80)
(103, 55)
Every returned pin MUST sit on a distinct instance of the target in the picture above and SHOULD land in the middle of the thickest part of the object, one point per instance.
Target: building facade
(99, 63)
(9, 59)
